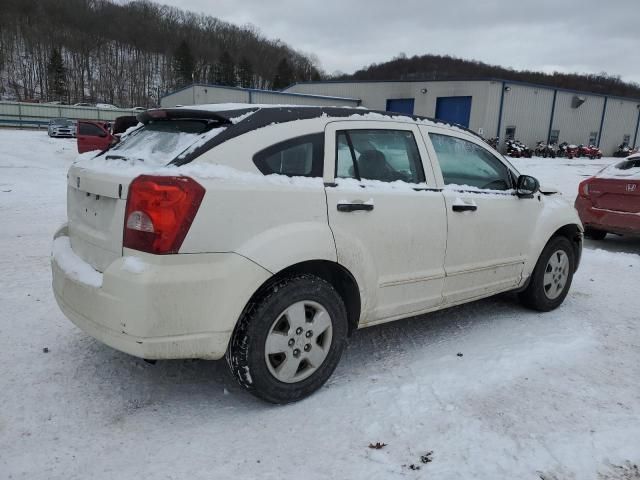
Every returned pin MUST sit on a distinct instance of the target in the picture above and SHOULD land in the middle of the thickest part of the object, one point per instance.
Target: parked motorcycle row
(517, 149)
(624, 150)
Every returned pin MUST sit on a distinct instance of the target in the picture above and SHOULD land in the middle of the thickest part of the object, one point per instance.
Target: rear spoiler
(224, 118)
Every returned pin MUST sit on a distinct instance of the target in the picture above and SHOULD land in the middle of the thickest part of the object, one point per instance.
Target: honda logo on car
(631, 187)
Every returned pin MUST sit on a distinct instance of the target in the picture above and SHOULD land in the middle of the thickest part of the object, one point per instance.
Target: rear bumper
(607, 220)
(173, 306)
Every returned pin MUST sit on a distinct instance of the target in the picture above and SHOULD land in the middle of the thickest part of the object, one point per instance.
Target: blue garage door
(454, 110)
(400, 105)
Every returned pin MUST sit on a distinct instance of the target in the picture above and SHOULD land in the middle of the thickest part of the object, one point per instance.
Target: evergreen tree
(227, 70)
(245, 73)
(284, 75)
(184, 64)
(56, 76)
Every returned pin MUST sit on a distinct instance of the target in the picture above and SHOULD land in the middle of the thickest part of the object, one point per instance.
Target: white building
(199, 94)
(501, 108)
(491, 107)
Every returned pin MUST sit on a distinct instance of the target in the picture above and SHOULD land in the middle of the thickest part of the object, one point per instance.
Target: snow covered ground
(532, 396)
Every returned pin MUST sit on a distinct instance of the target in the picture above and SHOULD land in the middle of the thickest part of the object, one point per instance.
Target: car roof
(240, 119)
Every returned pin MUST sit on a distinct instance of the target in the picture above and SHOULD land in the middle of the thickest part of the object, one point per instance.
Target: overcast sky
(564, 35)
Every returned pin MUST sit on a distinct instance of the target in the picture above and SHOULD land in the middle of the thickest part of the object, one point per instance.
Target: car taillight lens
(159, 213)
(584, 189)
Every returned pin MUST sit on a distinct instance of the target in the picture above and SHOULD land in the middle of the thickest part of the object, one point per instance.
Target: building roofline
(467, 79)
(268, 92)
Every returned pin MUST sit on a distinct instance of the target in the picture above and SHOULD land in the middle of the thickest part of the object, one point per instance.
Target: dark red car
(94, 135)
(609, 202)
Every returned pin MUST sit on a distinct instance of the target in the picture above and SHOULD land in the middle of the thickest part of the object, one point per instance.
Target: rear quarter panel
(275, 221)
(273, 224)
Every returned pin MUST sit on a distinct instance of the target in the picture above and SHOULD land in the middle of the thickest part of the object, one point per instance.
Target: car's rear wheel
(551, 277)
(595, 234)
(289, 341)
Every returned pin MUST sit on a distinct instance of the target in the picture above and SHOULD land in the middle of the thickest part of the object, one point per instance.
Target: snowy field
(550, 396)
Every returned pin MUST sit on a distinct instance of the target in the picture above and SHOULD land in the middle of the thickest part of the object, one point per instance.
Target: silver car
(62, 127)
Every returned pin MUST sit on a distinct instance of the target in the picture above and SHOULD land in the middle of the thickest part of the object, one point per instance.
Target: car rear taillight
(583, 189)
(159, 212)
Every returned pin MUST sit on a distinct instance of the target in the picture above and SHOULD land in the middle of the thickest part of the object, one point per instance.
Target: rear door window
(296, 157)
(383, 155)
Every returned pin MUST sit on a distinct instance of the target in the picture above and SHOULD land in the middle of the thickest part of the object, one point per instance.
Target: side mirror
(527, 186)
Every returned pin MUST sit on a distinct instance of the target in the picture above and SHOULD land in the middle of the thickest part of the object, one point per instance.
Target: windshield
(159, 142)
(62, 121)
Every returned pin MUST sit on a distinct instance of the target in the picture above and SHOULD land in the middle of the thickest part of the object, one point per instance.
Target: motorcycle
(544, 150)
(517, 149)
(590, 151)
(567, 150)
(624, 150)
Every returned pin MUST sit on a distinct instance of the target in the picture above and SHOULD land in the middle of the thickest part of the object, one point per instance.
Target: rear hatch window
(159, 142)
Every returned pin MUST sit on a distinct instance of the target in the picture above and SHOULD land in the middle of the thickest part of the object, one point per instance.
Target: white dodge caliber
(268, 234)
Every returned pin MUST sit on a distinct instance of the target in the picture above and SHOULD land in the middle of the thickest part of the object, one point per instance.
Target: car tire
(551, 278)
(594, 234)
(268, 353)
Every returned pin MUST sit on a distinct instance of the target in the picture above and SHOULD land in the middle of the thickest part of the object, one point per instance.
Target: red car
(93, 135)
(609, 202)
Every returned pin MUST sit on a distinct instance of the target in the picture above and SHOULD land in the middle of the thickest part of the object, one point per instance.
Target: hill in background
(132, 53)
(439, 67)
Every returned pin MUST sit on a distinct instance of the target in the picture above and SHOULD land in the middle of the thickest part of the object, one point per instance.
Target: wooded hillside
(438, 67)
(130, 54)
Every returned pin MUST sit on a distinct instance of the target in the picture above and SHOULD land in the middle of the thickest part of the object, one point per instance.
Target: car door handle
(352, 207)
(464, 208)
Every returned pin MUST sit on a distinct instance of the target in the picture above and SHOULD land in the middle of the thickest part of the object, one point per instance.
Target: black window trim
(317, 156)
(356, 173)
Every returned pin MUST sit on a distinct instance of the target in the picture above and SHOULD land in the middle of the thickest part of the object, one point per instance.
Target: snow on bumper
(156, 307)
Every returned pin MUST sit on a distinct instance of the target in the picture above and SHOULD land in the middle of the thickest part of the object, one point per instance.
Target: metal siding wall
(620, 119)
(280, 99)
(575, 124)
(492, 109)
(14, 113)
(529, 110)
(374, 95)
(182, 97)
(205, 95)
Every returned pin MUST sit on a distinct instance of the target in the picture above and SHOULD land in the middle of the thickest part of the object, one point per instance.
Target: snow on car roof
(241, 118)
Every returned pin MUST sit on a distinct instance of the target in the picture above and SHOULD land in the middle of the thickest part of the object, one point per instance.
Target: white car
(269, 234)
(62, 127)
(106, 106)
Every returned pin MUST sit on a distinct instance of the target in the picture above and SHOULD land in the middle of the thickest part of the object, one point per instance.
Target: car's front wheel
(551, 277)
(289, 341)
